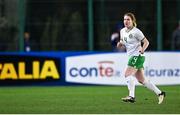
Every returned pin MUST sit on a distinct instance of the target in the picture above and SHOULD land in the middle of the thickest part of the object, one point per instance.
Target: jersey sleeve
(139, 35)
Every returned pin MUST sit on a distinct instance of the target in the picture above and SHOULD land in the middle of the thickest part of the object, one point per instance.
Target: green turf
(86, 100)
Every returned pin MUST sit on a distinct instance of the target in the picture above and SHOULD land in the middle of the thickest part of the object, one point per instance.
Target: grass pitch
(86, 100)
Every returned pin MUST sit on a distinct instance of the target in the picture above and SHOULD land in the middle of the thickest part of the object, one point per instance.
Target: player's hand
(119, 45)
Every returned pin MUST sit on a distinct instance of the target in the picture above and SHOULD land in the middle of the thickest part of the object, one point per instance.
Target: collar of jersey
(128, 30)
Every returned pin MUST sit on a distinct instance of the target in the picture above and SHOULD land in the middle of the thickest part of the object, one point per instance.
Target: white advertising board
(163, 68)
(108, 68)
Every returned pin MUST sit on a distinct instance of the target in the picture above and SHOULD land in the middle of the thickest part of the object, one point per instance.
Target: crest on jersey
(130, 36)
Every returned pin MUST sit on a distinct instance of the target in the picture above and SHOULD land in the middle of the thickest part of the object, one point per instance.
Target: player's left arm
(145, 45)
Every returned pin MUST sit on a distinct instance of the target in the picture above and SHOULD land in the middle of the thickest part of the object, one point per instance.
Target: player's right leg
(130, 71)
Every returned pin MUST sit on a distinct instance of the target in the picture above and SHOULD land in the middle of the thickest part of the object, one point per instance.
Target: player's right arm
(120, 44)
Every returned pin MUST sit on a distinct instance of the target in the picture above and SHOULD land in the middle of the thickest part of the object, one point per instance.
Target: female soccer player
(136, 43)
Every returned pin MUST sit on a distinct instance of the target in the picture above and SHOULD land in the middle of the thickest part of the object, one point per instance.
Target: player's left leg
(147, 83)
